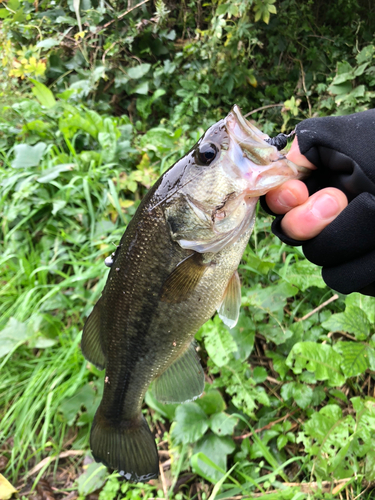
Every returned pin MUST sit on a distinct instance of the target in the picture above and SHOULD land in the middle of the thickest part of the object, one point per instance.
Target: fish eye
(206, 153)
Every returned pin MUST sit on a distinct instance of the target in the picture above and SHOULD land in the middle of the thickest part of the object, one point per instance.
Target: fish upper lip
(246, 127)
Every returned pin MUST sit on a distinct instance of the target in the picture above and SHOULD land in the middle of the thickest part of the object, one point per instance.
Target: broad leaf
(92, 479)
(15, 333)
(216, 449)
(222, 424)
(320, 359)
(137, 72)
(43, 94)
(211, 402)
(218, 342)
(353, 320)
(28, 156)
(304, 274)
(191, 423)
(355, 358)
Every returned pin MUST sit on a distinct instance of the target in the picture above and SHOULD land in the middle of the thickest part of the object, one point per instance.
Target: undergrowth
(91, 116)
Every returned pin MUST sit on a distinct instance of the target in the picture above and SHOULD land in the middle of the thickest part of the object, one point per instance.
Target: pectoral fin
(182, 381)
(92, 345)
(183, 279)
(229, 309)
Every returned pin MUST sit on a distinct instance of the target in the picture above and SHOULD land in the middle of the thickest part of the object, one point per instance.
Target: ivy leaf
(355, 358)
(190, 425)
(321, 359)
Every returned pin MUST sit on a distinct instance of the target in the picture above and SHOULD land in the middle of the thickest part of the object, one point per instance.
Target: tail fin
(128, 447)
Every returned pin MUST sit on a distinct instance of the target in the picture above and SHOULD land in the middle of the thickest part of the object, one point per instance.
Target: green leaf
(14, 333)
(190, 425)
(92, 479)
(364, 302)
(47, 43)
(211, 402)
(218, 341)
(43, 94)
(270, 299)
(216, 449)
(137, 72)
(302, 395)
(88, 396)
(304, 274)
(355, 358)
(353, 320)
(142, 88)
(370, 465)
(52, 173)
(323, 422)
(4, 13)
(282, 441)
(166, 410)
(243, 334)
(320, 359)
(260, 374)
(222, 424)
(28, 156)
(236, 381)
(366, 54)
(279, 363)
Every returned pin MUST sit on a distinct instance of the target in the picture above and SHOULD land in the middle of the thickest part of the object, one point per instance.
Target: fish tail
(127, 446)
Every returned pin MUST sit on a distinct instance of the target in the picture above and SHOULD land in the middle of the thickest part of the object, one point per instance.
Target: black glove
(343, 149)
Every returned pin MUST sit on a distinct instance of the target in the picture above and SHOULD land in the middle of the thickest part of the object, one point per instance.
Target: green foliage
(95, 107)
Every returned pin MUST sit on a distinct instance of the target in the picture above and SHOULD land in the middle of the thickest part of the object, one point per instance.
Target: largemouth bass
(175, 266)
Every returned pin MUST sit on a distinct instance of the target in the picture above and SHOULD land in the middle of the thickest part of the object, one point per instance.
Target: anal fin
(229, 309)
(92, 345)
(183, 381)
(183, 279)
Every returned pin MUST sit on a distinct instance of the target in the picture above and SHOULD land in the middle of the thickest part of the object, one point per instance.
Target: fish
(175, 266)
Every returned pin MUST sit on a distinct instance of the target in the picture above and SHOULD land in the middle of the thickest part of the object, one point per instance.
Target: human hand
(306, 216)
(335, 234)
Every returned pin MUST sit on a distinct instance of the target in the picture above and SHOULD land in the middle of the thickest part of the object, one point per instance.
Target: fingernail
(325, 207)
(287, 199)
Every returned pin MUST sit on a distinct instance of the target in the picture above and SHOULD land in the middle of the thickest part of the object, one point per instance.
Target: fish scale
(175, 266)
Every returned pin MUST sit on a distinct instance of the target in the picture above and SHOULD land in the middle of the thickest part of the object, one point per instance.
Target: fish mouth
(260, 165)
